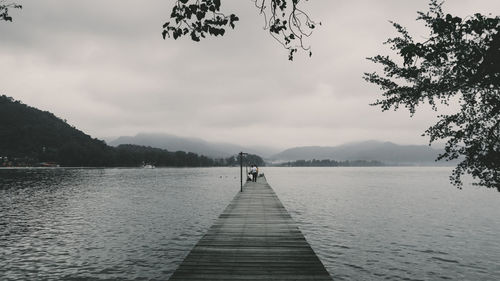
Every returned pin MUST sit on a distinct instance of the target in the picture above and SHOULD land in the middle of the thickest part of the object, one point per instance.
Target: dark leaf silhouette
(284, 20)
(4, 10)
(458, 63)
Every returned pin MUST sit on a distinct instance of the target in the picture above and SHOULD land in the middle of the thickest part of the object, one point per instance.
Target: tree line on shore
(125, 155)
(332, 163)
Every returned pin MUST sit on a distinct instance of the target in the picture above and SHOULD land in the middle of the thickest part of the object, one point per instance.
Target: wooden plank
(255, 238)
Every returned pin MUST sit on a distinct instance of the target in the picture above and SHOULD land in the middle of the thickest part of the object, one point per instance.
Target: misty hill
(386, 152)
(29, 136)
(195, 145)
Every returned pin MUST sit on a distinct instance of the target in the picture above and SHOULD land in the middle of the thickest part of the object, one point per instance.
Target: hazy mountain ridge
(386, 152)
(195, 145)
(31, 137)
(40, 136)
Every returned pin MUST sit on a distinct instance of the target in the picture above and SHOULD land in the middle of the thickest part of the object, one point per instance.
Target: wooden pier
(255, 238)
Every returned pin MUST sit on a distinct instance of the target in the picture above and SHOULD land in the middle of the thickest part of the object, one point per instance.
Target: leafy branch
(197, 18)
(289, 25)
(285, 21)
(4, 10)
(458, 61)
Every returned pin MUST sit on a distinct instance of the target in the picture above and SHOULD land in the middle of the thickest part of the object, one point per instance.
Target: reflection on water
(138, 224)
(105, 223)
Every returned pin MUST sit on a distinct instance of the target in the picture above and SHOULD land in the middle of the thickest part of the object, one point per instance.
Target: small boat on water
(49, 164)
(148, 166)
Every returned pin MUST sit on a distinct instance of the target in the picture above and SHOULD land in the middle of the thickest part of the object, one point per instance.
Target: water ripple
(393, 223)
(105, 224)
(136, 224)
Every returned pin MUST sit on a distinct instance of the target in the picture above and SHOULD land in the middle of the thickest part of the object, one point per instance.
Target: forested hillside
(29, 136)
(40, 136)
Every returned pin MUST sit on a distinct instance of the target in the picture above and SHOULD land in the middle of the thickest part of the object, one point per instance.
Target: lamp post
(241, 154)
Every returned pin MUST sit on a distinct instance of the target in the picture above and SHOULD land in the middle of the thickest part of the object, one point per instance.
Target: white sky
(104, 67)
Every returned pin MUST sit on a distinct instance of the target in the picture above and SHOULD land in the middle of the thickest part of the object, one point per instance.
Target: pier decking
(255, 238)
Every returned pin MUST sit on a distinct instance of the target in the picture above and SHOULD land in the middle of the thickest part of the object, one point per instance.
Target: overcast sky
(104, 67)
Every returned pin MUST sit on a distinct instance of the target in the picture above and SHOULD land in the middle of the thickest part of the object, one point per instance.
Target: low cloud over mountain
(195, 145)
(386, 152)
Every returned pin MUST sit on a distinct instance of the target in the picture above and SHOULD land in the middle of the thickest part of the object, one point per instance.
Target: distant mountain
(386, 152)
(195, 145)
(31, 137)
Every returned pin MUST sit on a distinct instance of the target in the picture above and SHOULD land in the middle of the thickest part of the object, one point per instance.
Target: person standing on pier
(254, 173)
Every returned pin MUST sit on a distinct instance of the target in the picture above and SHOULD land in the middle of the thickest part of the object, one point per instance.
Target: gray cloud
(103, 66)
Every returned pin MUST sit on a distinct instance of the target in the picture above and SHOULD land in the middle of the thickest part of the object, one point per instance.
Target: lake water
(377, 223)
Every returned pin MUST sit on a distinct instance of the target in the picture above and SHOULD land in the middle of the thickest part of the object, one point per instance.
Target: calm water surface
(394, 223)
(138, 224)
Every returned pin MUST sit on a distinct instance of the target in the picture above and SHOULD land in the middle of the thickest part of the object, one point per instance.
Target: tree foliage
(458, 64)
(284, 19)
(248, 160)
(198, 18)
(4, 10)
